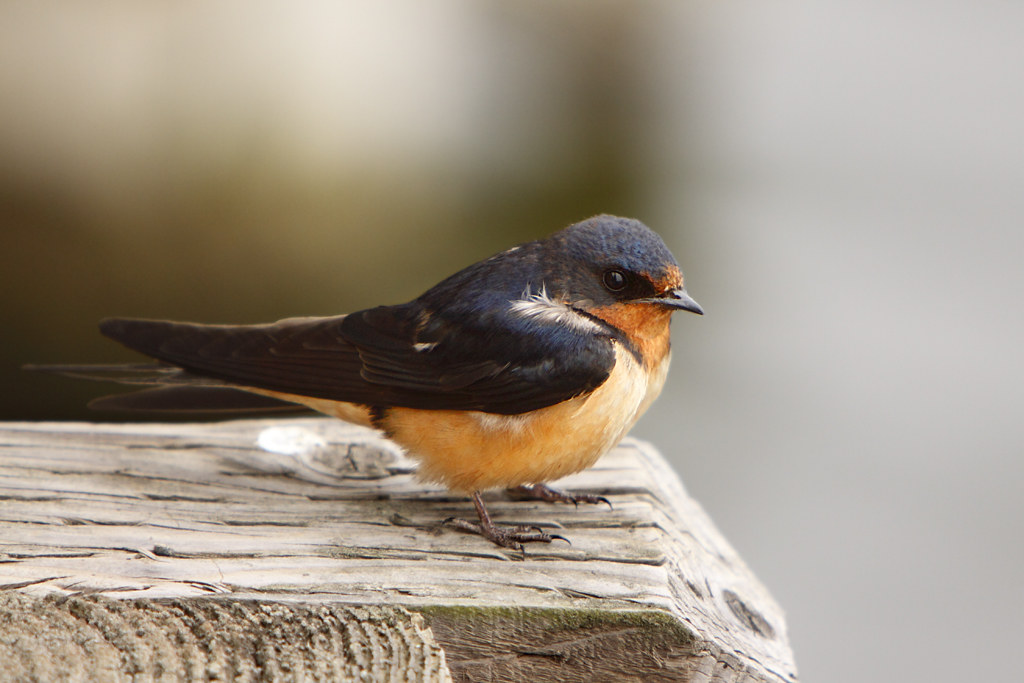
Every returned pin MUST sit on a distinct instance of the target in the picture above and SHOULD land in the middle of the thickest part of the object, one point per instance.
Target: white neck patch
(541, 307)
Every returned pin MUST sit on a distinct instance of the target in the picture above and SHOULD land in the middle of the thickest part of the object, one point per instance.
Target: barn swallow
(518, 370)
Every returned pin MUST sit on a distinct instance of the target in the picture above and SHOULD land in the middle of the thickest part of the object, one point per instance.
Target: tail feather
(171, 390)
(200, 367)
(128, 373)
(194, 399)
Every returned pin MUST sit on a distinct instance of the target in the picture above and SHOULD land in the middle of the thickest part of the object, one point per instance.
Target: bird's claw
(512, 537)
(550, 495)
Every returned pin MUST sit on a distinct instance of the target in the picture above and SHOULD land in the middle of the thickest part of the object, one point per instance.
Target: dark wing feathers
(496, 363)
(388, 356)
(407, 347)
(302, 356)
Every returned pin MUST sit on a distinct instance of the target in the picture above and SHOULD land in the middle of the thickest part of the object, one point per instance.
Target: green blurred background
(843, 185)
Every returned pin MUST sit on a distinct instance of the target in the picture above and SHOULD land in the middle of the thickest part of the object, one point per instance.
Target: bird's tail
(171, 389)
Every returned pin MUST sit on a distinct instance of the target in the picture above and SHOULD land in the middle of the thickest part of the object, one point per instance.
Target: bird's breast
(471, 451)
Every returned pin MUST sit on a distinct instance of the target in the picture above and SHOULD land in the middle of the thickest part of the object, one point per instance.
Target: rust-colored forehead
(668, 278)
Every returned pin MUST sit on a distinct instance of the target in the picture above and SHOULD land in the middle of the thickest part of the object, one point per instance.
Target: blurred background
(843, 184)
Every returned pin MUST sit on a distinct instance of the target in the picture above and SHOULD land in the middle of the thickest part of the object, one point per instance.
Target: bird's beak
(677, 298)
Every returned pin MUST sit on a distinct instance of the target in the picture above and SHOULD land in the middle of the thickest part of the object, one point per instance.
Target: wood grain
(91, 638)
(648, 590)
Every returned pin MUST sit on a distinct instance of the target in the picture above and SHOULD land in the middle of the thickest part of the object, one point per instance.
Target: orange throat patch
(646, 326)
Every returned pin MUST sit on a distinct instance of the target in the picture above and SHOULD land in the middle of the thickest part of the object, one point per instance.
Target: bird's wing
(387, 356)
(494, 362)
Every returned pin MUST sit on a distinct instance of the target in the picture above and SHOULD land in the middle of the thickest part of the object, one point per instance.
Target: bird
(515, 371)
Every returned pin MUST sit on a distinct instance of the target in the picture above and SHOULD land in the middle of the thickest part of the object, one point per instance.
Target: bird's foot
(550, 495)
(505, 536)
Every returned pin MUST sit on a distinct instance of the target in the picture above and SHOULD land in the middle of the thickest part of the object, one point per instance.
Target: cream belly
(472, 451)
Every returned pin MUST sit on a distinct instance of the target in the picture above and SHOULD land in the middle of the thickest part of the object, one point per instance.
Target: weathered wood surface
(76, 638)
(303, 514)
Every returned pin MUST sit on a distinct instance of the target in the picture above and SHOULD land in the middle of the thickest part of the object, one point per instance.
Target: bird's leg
(550, 495)
(508, 536)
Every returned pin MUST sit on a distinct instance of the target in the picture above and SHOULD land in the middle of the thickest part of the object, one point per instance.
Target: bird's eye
(614, 280)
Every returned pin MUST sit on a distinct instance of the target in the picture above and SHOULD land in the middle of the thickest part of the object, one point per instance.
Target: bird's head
(606, 265)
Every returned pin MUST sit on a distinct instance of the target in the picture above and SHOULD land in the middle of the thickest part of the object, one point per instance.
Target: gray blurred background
(843, 184)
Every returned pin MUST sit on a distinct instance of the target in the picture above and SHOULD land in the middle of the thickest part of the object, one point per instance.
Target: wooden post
(304, 549)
